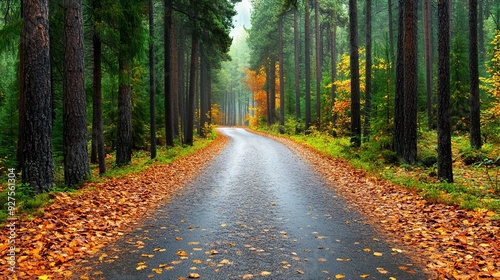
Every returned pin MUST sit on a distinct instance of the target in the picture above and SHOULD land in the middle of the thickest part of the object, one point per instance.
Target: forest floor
(452, 242)
(77, 224)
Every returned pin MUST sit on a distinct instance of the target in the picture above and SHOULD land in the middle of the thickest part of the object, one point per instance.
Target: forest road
(257, 211)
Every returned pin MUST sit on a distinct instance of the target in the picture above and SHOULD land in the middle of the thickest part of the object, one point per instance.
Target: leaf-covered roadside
(78, 225)
(451, 242)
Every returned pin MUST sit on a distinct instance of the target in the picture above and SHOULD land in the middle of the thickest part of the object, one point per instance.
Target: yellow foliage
(492, 83)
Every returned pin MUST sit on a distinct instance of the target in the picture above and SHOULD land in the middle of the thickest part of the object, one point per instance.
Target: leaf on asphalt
(343, 259)
(377, 254)
(265, 273)
(364, 275)
(321, 260)
(194, 275)
(381, 270)
(339, 276)
(300, 271)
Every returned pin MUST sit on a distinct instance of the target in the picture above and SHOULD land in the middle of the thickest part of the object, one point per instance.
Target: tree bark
(97, 129)
(428, 60)
(152, 83)
(410, 82)
(204, 93)
(124, 127)
(391, 31)
(318, 62)
(399, 115)
(475, 107)
(296, 61)
(282, 75)
(482, 51)
(334, 69)
(272, 91)
(368, 70)
(38, 165)
(76, 161)
(307, 38)
(188, 133)
(445, 171)
(354, 62)
(169, 107)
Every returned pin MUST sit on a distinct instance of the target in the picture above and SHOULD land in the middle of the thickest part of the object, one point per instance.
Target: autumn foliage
(256, 82)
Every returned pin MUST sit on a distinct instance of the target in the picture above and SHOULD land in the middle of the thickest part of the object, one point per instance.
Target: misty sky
(242, 18)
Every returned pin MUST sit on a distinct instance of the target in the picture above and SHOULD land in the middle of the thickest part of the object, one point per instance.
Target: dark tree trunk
(391, 30)
(354, 62)
(410, 82)
(204, 94)
(38, 165)
(307, 39)
(20, 129)
(282, 75)
(152, 83)
(318, 62)
(272, 91)
(334, 69)
(76, 161)
(475, 108)
(399, 114)
(124, 127)
(97, 129)
(169, 107)
(428, 59)
(445, 171)
(177, 84)
(296, 61)
(368, 70)
(482, 51)
(188, 133)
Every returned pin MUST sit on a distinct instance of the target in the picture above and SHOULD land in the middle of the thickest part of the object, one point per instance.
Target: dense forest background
(157, 73)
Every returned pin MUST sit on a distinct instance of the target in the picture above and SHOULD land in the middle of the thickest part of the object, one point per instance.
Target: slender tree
(475, 109)
(318, 62)
(296, 61)
(399, 115)
(307, 39)
(282, 74)
(410, 82)
(169, 89)
(152, 82)
(445, 172)
(191, 102)
(97, 128)
(368, 70)
(76, 161)
(334, 63)
(354, 62)
(428, 59)
(37, 166)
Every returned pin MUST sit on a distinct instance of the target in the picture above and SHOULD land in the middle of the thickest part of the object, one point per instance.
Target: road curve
(257, 211)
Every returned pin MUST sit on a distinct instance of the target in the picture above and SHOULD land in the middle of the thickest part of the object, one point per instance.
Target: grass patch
(476, 172)
(29, 204)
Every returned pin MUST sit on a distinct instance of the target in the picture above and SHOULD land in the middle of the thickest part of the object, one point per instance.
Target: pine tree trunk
(124, 127)
(188, 133)
(177, 84)
(318, 62)
(97, 129)
(482, 51)
(391, 30)
(37, 166)
(334, 69)
(410, 82)
(307, 39)
(399, 115)
(272, 91)
(475, 108)
(282, 75)
(169, 107)
(354, 62)
(368, 70)
(428, 60)
(296, 61)
(204, 94)
(152, 83)
(76, 161)
(445, 171)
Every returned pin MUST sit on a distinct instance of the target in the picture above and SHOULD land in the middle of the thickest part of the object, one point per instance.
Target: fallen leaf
(194, 275)
(265, 273)
(377, 254)
(339, 276)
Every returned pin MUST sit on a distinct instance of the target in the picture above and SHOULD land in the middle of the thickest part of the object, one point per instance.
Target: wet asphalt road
(257, 210)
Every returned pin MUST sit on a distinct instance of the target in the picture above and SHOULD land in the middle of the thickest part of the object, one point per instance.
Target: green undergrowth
(29, 204)
(476, 172)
